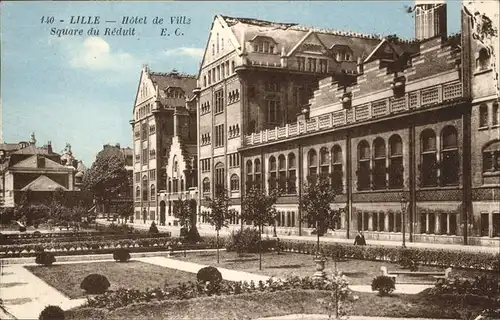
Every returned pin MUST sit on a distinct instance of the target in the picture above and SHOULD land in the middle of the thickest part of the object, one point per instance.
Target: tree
(182, 211)
(107, 177)
(219, 214)
(126, 210)
(316, 204)
(259, 209)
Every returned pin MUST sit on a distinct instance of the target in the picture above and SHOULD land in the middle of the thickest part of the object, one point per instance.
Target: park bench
(435, 274)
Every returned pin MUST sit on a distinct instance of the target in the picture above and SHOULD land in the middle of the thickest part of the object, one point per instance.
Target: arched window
(483, 60)
(312, 163)
(272, 173)
(337, 169)
(396, 168)
(235, 183)
(324, 162)
(219, 177)
(491, 157)
(428, 161)
(145, 188)
(257, 173)
(449, 156)
(483, 115)
(282, 172)
(153, 192)
(363, 165)
(292, 174)
(206, 185)
(249, 172)
(379, 168)
(137, 193)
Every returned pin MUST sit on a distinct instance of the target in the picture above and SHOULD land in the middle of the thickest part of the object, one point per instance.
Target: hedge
(69, 237)
(423, 256)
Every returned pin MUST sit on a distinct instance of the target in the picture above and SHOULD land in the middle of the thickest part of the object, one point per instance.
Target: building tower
(430, 19)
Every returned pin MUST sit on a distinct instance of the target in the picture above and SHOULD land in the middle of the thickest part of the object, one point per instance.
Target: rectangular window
(496, 224)
(274, 111)
(152, 174)
(137, 177)
(145, 155)
(483, 116)
(219, 101)
(485, 224)
(301, 63)
(323, 65)
(219, 135)
(496, 114)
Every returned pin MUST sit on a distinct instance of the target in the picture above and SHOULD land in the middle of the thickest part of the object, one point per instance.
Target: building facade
(25, 167)
(164, 128)
(416, 120)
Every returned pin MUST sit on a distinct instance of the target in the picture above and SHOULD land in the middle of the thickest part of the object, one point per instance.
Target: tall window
(496, 115)
(301, 63)
(379, 164)
(324, 162)
(258, 173)
(249, 171)
(312, 162)
(292, 175)
(272, 173)
(337, 170)
(219, 101)
(323, 65)
(483, 115)
(219, 176)
(219, 135)
(153, 192)
(428, 166)
(145, 188)
(449, 156)
(235, 183)
(206, 185)
(137, 193)
(363, 165)
(491, 157)
(144, 131)
(274, 112)
(395, 162)
(282, 172)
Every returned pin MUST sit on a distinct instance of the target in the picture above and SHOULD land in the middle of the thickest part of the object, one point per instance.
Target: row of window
(491, 157)
(484, 115)
(234, 220)
(205, 165)
(175, 93)
(143, 111)
(234, 181)
(218, 46)
(205, 139)
(312, 64)
(263, 46)
(233, 96)
(152, 175)
(205, 107)
(218, 73)
(234, 131)
(234, 160)
(145, 189)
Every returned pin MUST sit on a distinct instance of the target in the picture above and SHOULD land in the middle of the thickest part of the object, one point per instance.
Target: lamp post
(404, 206)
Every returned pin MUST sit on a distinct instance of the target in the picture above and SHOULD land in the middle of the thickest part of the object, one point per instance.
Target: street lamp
(404, 206)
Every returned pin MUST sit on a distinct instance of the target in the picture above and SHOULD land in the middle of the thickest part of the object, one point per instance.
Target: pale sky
(81, 89)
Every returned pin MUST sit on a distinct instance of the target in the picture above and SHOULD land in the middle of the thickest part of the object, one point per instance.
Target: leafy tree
(182, 211)
(316, 204)
(126, 210)
(259, 209)
(107, 177)
(219, 214)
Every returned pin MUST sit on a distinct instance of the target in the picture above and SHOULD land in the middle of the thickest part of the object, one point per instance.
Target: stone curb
(104, 256)
(324, 316)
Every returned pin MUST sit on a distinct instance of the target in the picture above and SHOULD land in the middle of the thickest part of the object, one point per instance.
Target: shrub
(37, 233)
(153, 228)
(121, 255)
(244, 241)
(95, 284)
(192, 236)
(45, 258)
(210, 274)
(383, 284)
(22, 229)
(51, 313)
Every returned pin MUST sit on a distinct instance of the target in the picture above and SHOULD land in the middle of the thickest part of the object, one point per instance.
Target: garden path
(324, 317)
(25, 295)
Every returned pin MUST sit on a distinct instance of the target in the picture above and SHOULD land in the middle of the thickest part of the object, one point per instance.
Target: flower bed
(104, 246)
(190, 290)
(424, 256)
(71, 237)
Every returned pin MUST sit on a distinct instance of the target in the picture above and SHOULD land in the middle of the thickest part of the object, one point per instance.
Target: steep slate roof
(163, 81)
(9, 146)
(31, 162)
(31, 149)
(43, 183)
(288, 35)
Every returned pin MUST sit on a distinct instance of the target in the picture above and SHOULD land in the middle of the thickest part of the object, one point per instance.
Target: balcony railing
(380, 108)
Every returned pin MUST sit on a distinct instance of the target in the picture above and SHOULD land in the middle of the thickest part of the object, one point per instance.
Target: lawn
(359, 272)
(131, 275)
(255, 305)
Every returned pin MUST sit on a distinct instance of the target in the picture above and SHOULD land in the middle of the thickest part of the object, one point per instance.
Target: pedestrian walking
(360, 239)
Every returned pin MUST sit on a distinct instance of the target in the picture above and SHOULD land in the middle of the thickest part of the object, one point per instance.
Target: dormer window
(263, 45)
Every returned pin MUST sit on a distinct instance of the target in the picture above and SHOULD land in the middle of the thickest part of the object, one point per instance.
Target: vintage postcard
(250, 160)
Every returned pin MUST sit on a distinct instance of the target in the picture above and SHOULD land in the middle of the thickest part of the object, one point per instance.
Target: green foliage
(182, 211)
(219, 214)
(340, 298)
(107, 176)
(407, 260)
(117, 229)
(247, 241)
(45, 258)
(259, 207)
(479, 286)
(384, 285)
(316, 205)
(121, 255)
(95, 284)
(209, 274)
(51, 313)
(153, 229)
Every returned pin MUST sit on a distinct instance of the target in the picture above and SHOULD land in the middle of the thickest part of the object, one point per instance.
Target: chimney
(49, 147)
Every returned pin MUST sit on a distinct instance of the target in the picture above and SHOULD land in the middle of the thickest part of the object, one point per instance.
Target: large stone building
(164, 128)
(26, 167)
(389, 119)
